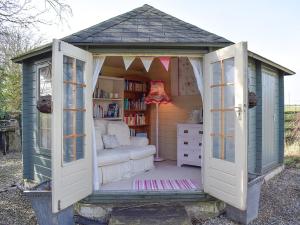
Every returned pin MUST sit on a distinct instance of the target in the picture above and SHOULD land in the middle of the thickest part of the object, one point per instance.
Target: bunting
(165, 60)
(147, 62)
(127, 61)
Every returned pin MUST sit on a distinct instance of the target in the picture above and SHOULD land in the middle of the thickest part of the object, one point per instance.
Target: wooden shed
(100, 76)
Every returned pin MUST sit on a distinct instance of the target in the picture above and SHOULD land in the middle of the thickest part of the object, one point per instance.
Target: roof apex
(144, 24)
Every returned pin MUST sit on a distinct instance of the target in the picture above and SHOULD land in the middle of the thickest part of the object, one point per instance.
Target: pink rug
(158, 185)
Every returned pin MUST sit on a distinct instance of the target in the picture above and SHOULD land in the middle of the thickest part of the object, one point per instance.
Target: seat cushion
(121, 130)
(137, 152)
(100, 129)
(112, 156)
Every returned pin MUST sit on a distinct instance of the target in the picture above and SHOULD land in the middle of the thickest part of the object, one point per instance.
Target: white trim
(271, 63)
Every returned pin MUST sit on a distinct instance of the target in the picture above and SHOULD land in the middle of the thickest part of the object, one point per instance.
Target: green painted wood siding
(270, 118)
(251, 118)
(36, 163)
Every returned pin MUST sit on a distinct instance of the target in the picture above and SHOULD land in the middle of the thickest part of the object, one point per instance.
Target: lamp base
(158, 159)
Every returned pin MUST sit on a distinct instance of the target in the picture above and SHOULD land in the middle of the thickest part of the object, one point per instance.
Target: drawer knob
(199, 156)
(185, 155)
(200, 144)
(186, 142)
(185, 131)
(200, 132)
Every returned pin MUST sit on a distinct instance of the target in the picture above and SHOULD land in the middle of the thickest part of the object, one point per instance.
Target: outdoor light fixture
(157, 95)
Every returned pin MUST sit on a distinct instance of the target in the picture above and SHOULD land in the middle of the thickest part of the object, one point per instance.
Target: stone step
(150, 215)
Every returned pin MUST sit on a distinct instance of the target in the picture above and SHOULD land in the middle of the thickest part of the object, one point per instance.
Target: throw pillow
(121, 130)
(110, 141)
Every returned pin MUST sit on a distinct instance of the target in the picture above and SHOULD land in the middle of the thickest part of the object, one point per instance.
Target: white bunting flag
(147, 62)
(127, 61)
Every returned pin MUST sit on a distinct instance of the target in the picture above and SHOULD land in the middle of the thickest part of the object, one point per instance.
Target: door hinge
(59, 46)
(58, 205)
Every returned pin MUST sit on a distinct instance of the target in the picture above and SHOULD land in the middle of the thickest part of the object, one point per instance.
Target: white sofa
(133, 156)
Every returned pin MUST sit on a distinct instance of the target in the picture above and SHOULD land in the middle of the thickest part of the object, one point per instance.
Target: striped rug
(158, 185)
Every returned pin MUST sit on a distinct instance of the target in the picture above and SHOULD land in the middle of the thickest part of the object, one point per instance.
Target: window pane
(216, 67)
(68, 68)
(223, 121)
(80, 147)
(216, 140)
(44, 130)
(229, 149)
(80, 97)
(229, 98)
(45, 81)
(216, 121)
(79, 71)
(80, 123)
(74, 104)
(229, 123)
(68, 123)
(69, 91)
(229, 70)
(216, 95)
(69, 150)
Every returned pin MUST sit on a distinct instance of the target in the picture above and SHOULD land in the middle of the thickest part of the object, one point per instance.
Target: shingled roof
(145, 25)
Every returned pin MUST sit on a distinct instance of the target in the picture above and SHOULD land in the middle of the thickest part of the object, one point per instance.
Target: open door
(225, 124)
(72, 125)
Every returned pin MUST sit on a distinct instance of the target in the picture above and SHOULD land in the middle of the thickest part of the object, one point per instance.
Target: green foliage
(12, 42)
(292, 161)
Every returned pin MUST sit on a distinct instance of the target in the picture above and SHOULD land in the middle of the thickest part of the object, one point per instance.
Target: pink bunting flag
(165, 60)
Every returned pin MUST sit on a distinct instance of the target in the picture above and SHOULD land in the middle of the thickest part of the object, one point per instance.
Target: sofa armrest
(139, 141)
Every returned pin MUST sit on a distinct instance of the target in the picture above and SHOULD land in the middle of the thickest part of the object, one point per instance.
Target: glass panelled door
(225, 124)
(223, 109)
(74, 109)
(71, 125)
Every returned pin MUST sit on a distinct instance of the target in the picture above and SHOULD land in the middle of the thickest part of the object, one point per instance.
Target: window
(44, 120)
(74, 111)
(223, 110)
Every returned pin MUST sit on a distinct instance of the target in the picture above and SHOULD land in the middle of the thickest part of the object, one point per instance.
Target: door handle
(239, 110)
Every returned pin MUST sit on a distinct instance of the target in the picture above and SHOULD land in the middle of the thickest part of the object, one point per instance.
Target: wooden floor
(163, 170)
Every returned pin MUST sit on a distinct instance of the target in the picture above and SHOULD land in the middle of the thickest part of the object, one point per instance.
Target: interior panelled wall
(36, 162)
(178, 111)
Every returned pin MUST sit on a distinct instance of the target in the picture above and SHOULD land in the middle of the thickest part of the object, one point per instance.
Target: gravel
(279, 202)
(14, 207)
(279, 205)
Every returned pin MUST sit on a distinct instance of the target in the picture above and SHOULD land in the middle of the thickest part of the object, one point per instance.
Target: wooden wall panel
(177, 111)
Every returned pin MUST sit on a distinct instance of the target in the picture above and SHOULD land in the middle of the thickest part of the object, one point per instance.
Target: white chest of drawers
(189, 144)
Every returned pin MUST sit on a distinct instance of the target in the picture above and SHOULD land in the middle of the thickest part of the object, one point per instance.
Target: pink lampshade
(157, 93)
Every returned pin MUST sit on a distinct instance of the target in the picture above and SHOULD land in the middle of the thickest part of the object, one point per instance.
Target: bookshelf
(136, 112)
(108, 98)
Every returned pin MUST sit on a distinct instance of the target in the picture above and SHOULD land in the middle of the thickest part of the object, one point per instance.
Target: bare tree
(26, 13)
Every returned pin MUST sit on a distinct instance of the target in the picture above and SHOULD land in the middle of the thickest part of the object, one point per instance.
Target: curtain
(197, 68)
(97, 65)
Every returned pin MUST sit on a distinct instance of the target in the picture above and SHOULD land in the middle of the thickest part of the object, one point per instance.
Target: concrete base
(273, 173)
(253, 195)
(41, 202)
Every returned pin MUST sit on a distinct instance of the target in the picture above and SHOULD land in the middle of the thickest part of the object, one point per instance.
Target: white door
(72, 125)
(225, 124)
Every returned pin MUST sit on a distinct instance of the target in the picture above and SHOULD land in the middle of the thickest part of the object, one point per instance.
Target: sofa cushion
(137, 152)
(110, 141)
(121, 130)
(139, 141)
(100, 129)
(112, 156)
